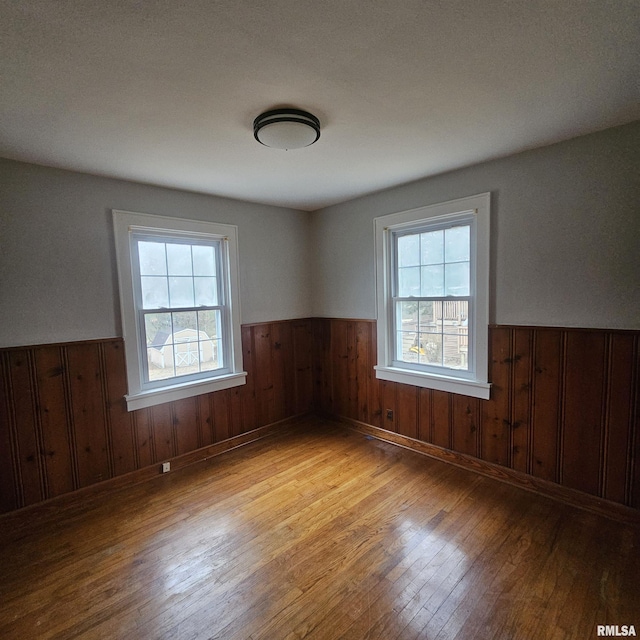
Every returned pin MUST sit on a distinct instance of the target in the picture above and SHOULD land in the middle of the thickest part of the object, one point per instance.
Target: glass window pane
(157, 329)
(455, 311)
(211, 356)
(184, 321)
(432, 347)
(152, 259)
(457, 279)
(160, 363)
(409, 250)
(427, 316)
(154, 292)
(179, 259)
(456, 243)
(181, 291)
(204, 263)
(408, 346)
(206, 291)
(456, 350)
(408, 316)
(433, 280)
(209, 322)
(187, 354)
(431, 244)
(409, 282)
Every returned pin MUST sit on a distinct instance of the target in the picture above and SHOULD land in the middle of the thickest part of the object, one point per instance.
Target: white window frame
(126, 224)
(474, 381)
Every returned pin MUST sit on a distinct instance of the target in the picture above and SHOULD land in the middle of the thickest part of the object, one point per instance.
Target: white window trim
(476, 386)
(125, 223)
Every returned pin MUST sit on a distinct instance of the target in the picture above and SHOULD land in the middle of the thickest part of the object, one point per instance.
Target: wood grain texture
(64, 423)
(563, 407)
(317, 533)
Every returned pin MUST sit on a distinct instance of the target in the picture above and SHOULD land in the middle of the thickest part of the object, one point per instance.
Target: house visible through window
(179, 297)
(432, 285)
(432, 297)
(180, 307)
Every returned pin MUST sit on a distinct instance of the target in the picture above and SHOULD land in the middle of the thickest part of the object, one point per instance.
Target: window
(180, 307)
(432, 273)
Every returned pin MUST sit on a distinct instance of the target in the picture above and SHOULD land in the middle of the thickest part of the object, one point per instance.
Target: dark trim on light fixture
(296, 116)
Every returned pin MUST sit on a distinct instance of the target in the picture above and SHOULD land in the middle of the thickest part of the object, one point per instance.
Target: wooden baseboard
(599, 506)
(152, 471)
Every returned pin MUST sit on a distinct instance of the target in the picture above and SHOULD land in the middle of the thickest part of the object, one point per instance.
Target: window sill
(186, 390)
(462, 386)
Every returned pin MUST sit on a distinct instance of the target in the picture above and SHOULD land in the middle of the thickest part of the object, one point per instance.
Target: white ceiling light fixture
(286, 129)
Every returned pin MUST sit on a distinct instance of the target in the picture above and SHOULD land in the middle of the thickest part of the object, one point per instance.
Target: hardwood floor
(318, 533)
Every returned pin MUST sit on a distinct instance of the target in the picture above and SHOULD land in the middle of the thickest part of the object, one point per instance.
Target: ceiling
(165, 92)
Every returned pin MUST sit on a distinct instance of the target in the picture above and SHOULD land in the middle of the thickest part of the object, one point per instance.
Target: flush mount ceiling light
(286, 129)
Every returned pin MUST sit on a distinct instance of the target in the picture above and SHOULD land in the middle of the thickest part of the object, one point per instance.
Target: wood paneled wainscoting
(564, 405)
(64, 423)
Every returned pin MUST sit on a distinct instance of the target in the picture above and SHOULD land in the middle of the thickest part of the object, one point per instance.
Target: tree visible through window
(180, 307)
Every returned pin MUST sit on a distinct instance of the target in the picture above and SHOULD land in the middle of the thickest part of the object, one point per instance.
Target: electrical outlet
(389, 414)
(166, 466)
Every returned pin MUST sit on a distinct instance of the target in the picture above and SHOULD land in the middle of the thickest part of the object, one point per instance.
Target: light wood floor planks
(318, 533)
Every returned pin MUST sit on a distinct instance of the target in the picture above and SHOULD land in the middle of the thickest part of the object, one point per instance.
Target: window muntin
(431, 297)
(180, 307)
(432, 290)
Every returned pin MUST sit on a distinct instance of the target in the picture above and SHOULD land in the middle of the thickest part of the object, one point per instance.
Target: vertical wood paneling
(364, 369)
(264, 374)
(465, 424)
(546, 409)
(9, 498)
(425, 431)
(583, 410)
(564, 406)
(340, 366)
(352, 372)
(389, 397)
(558, 406)
(236, 422)
(634, 472)
(496, 423)
(185, 413)
(143, 437)
(302, 352)
(282, 370)
(27, 437)
(407, 423)
(162, 427)
(441, 418)
(205, 416)
(247, 393)
(54, 421)
(619, 417)
(119, 419)
(321, 373)
(375, 387)
(88, 411)
(521, 399)
(221, 427)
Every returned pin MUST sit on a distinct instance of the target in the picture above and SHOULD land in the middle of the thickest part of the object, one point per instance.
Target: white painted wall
(57, 259)
(565, 235)
(565, 243)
